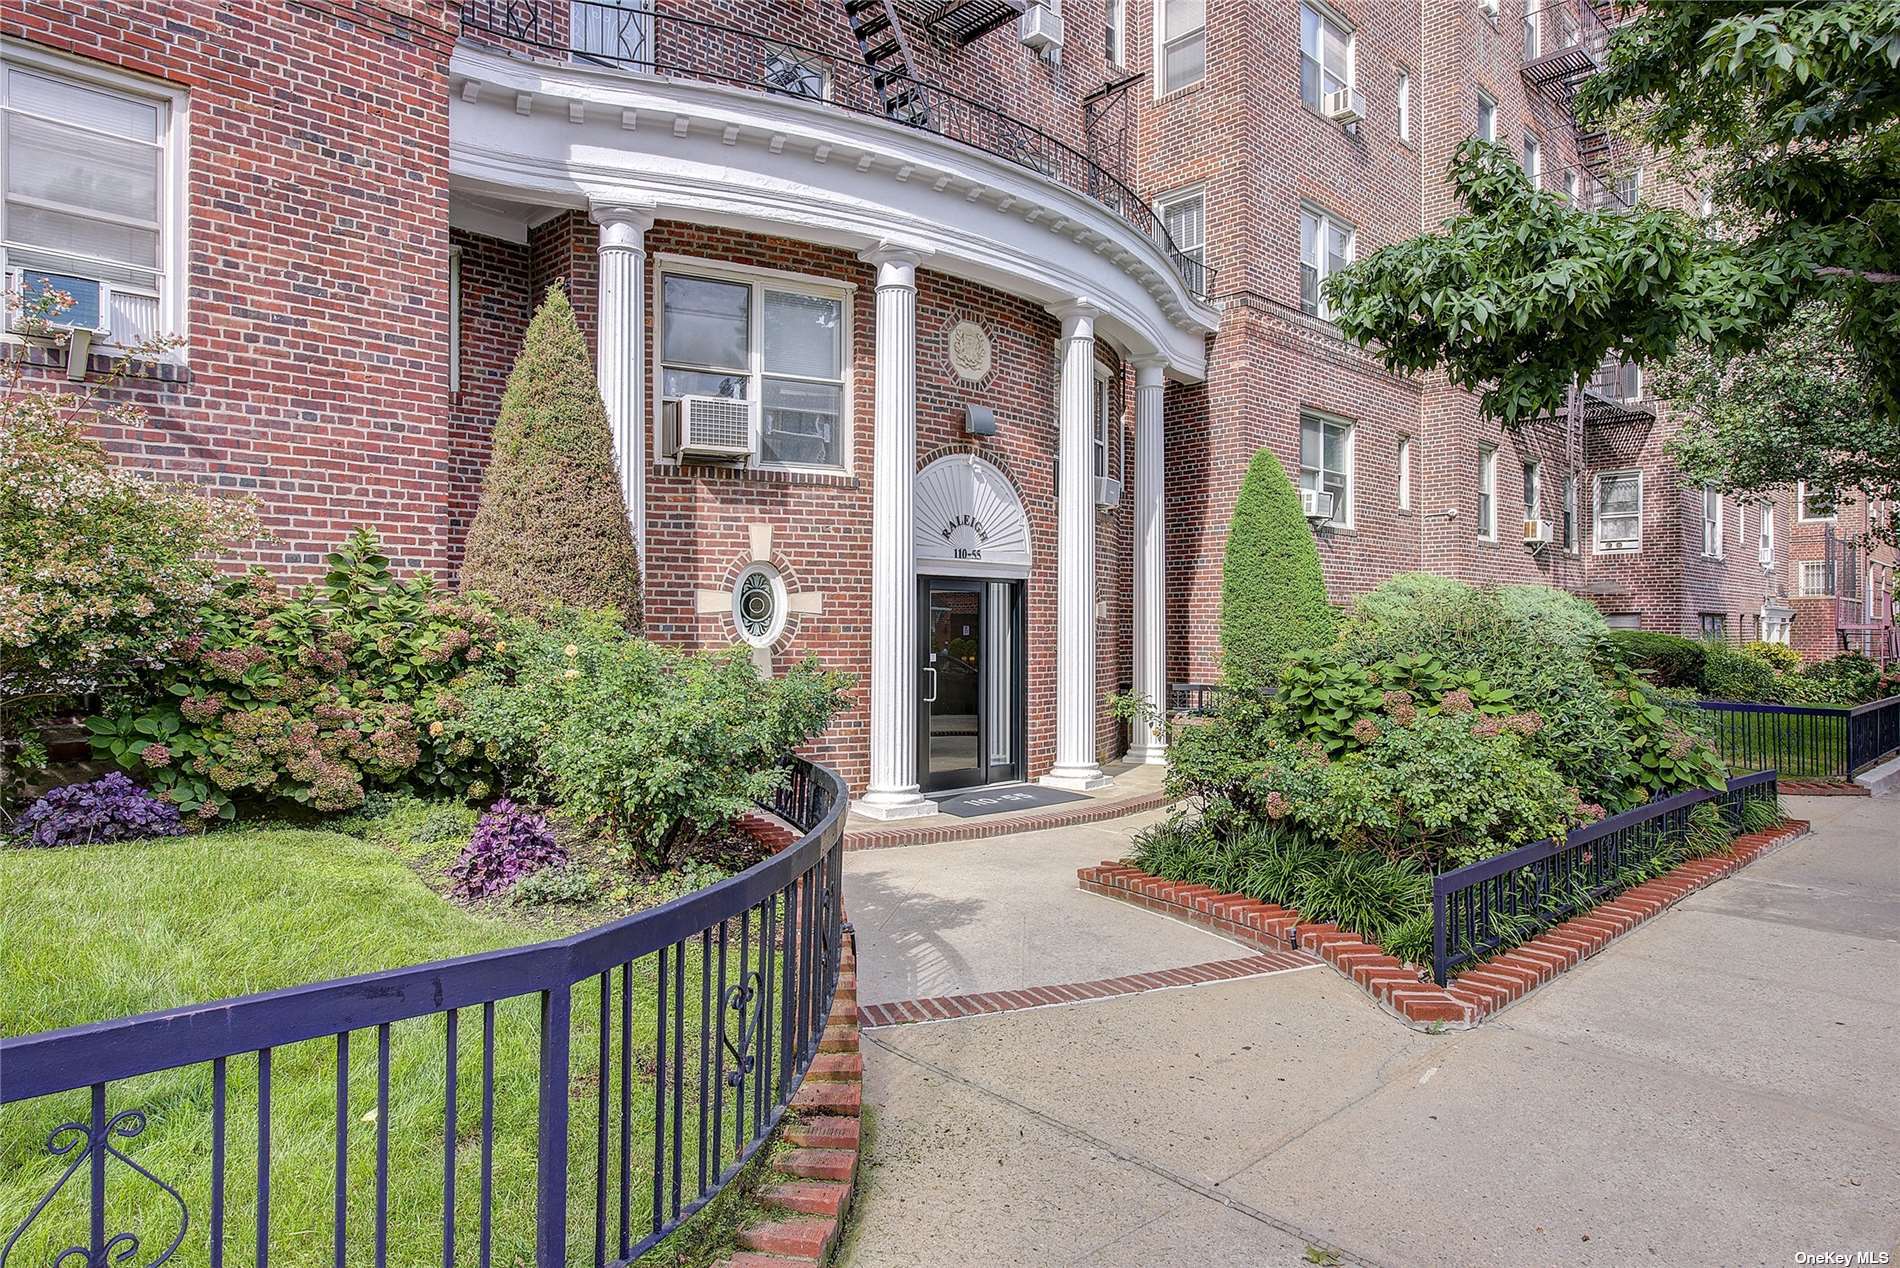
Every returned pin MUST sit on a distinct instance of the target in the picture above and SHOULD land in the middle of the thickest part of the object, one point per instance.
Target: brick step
(836, 1067)
(807, 1197)
(828, 1098)
(823, 1131)
(805, 1237)
(818, 1164)
(752, 1259)
(839, 1039)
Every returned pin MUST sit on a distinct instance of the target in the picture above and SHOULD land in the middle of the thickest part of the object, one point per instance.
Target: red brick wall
(318, 239)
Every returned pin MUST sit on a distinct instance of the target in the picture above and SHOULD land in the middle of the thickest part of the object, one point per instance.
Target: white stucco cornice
(711, 153)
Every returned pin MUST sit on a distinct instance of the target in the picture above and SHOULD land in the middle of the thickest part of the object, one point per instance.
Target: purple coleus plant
(509, 843)
(111, 808)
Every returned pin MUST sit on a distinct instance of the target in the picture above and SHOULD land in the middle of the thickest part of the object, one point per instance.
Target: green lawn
(96, 932)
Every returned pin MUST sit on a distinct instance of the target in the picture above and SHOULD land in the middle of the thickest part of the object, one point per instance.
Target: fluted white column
(893, 790)
(1075, 765)
(1150, 675)
(620, 352)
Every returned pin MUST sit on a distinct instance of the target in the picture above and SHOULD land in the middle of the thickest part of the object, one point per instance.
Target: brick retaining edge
(999, 825)
(812, 1184)
(1408, 993)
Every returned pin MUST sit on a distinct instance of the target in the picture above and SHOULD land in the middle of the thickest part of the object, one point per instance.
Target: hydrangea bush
(111, 808)
(510, 842)
(313, 698)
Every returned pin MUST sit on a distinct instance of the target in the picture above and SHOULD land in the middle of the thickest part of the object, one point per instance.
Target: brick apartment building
(935, 335)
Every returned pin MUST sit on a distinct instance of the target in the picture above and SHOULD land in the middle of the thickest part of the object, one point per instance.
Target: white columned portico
(893, 791)
(1150, 675)
(1075, 765)
(620, 351)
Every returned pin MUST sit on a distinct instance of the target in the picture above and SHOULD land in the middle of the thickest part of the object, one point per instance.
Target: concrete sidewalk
(1720, 1086)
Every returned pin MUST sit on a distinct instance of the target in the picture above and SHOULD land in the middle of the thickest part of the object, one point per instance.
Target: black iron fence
(1205, 699)
(1487, 906)
(1803, 741)
(648, 41)
(588, 1094)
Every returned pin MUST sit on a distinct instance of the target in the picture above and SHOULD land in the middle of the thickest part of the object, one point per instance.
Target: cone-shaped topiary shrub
(1273, 595)
(552, 527)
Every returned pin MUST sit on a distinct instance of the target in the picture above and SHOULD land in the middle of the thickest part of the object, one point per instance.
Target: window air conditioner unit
(1108, 492)
(83, 322)
(715, 427)
(1315, 504)
(1345, 106)
(1537, 533)
(1040, 28)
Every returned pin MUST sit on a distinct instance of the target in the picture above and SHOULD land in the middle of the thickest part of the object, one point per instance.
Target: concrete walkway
(1721, 1086)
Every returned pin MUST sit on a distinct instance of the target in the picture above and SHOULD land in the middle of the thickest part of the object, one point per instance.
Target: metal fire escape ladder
(880, 36)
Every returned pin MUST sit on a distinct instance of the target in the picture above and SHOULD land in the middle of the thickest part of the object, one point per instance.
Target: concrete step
(1882, 780)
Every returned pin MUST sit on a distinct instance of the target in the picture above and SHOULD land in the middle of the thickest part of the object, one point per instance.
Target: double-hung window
(1570, 513)
(1487, 494)
(1533, 493)
(1115, 32)
(1183, 29)
(1184, 217)
(1405, 106)
(1765, 544)
(1573, 189)
(1815, 578)
(1326, 463)
(1326, 246)
(777, 343)
(1108, 416)
(1487, 117)
(1813, 504)
(1533, 30)
(1405, 473)
(1325, 56)
(89, 207)
(1533, 160)
(1711, 522)
(1619, 511)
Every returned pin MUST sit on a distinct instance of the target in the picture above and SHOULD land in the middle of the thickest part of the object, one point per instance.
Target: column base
(1076, 778)
(894, 805)
(1147, 755)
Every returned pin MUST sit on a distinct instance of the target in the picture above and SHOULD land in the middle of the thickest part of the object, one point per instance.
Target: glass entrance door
(969, 713)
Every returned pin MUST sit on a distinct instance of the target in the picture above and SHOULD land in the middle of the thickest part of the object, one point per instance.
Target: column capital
(623, 225)
(1150, 371)
(1077, 317)
(896, 263)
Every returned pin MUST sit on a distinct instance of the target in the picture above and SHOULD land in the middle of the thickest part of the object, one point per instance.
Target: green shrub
(1782, 658)
(1667, 660)
(566, 883)
(1273, 594)
(315, 697)
(1759, 814)
(1172, 849)
(1732, 675)
(552, 527)
(1555, 616)
(652, 744)
(1445, 791)
(1707, 832)
(1665, 756)
(1279, 858)
(1848, 679)
(1424, 614)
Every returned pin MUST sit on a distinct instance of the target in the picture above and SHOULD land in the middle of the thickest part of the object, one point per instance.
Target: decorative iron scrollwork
(79, 1140)
(747, 1001)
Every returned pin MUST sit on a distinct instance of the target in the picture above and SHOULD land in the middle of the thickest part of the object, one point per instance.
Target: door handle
(932, 697)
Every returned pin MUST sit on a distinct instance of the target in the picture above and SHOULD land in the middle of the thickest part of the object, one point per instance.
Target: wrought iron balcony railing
(643, 40)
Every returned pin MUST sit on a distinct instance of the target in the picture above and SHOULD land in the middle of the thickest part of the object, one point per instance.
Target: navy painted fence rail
(1804, 741)
(1485, 906)
(764, 946)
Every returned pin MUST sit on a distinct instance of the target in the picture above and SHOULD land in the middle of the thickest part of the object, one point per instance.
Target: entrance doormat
(972, 802)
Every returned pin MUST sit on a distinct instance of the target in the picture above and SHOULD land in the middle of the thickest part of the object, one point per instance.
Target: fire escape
(1578, 32)
(878, 27)
(1863, 606)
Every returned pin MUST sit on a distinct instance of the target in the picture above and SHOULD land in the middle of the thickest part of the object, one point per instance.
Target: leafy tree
(1788, 112)
(552, 528)
(1273, 594)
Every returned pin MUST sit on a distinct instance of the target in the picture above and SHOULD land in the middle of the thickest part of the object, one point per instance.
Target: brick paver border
(1000, 825)
(1406, 991)
(952, 1007)
(1822, 788)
